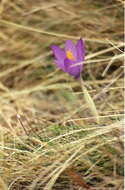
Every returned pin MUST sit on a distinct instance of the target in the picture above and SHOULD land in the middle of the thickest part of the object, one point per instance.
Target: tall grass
(49, 139)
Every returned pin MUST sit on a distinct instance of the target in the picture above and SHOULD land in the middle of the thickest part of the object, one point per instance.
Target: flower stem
(89, 100)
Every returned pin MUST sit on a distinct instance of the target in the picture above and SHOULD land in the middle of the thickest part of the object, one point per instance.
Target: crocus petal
(69, 46)
(74, 71)
(80, 48)
(58, 52)
(60, 64)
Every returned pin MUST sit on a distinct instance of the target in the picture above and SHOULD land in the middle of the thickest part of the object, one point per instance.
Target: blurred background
(49, 139)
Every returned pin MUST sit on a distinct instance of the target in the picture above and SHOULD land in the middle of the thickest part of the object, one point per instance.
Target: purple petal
(60, 64)
(69, 46)
(74, 71)
(58, 52)
(80, 48)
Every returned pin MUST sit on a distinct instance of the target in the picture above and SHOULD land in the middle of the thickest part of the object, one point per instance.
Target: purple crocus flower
(66, 58)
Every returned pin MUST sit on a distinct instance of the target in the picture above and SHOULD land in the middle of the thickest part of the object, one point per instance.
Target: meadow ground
(49, 138)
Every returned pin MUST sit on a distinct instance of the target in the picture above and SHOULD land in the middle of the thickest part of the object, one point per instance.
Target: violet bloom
(71, 55)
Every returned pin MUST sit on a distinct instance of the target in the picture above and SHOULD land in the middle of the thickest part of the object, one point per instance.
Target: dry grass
(48, 137)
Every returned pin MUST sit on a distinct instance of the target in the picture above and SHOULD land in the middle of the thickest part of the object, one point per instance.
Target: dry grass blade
(3, 185)
(48, 33)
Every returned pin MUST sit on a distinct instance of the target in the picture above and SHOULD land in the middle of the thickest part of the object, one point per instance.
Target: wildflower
(71, 55)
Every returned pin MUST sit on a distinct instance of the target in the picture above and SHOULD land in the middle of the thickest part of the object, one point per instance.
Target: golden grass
(46, 127)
